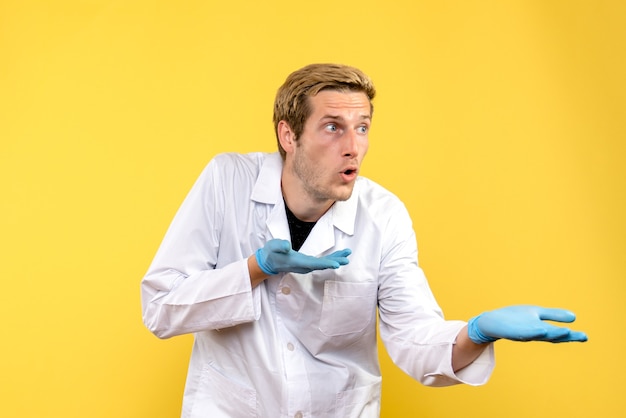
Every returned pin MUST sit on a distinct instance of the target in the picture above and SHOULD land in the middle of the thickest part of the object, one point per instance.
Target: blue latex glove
(278, 256)
(523, 323)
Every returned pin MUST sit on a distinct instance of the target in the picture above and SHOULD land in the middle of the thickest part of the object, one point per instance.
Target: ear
(286, 136)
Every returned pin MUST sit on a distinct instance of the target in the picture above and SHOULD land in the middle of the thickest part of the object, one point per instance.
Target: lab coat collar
(344, 212)
(267, 187)
(267, 190)
(341, 215)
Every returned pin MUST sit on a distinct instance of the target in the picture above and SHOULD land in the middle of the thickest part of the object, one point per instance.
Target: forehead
(334, 101)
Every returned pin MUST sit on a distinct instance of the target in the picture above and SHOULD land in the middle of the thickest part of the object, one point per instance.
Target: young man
(278, 263)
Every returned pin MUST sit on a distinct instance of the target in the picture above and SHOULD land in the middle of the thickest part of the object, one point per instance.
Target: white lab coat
(298, 345)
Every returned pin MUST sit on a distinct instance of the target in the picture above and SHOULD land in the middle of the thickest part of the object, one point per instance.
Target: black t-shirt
(298, 229)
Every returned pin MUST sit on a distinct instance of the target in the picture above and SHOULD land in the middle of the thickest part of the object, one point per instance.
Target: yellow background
(501, 124)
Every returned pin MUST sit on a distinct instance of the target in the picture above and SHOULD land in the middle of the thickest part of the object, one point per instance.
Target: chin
(344, 195)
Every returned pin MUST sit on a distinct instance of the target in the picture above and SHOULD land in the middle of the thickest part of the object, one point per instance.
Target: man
(278, 263)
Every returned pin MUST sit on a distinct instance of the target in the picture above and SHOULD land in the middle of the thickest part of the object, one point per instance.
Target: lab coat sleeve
(412, 326)
(189, 286)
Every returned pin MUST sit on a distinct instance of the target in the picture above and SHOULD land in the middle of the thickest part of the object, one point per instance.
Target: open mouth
(349, 174)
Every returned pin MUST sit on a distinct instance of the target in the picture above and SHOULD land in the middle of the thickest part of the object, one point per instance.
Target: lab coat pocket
(347, 307)
(219, 396)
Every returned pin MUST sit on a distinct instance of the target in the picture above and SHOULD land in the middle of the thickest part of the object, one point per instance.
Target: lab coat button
(298, 415)
(286, 290)
(290, 347)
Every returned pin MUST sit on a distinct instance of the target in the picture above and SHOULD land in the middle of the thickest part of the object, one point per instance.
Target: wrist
(475, 334)
(256, 274)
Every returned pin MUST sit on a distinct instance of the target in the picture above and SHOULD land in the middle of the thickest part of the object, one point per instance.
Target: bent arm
(199, 278)
(175, 303)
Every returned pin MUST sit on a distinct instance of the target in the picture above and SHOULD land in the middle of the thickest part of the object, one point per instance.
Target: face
(325, 160)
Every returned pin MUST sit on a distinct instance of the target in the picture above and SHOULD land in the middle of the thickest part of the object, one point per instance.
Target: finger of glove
(573, 336)
(554, 314)
(340, 257)
(341, 253)
(310, 263)
(342, 260)
(556, 333)
(547, 333)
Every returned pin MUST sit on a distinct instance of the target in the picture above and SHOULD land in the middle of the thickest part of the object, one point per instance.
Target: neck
(305, 207)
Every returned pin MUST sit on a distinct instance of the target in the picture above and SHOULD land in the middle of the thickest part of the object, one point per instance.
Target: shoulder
(381, 204)
(381, 211)
(373, 194)
(234, 161)
(234, 166)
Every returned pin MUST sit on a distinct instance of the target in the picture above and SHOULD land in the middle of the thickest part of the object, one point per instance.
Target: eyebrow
(340, 118)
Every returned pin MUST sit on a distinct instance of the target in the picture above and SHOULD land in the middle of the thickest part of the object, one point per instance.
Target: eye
(331, 127)
(362, 129)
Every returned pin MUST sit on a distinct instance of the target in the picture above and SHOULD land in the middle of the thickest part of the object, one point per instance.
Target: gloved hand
(278, 256)
(523, 323)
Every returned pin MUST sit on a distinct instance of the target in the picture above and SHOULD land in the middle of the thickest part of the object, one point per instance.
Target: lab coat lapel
(341, 216)
(277, 222)
(322, 236)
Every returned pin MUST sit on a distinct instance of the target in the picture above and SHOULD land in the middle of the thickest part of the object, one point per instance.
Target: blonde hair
(292, 99)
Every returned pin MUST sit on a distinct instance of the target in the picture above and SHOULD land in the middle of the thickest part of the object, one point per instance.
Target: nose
(351, 144)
